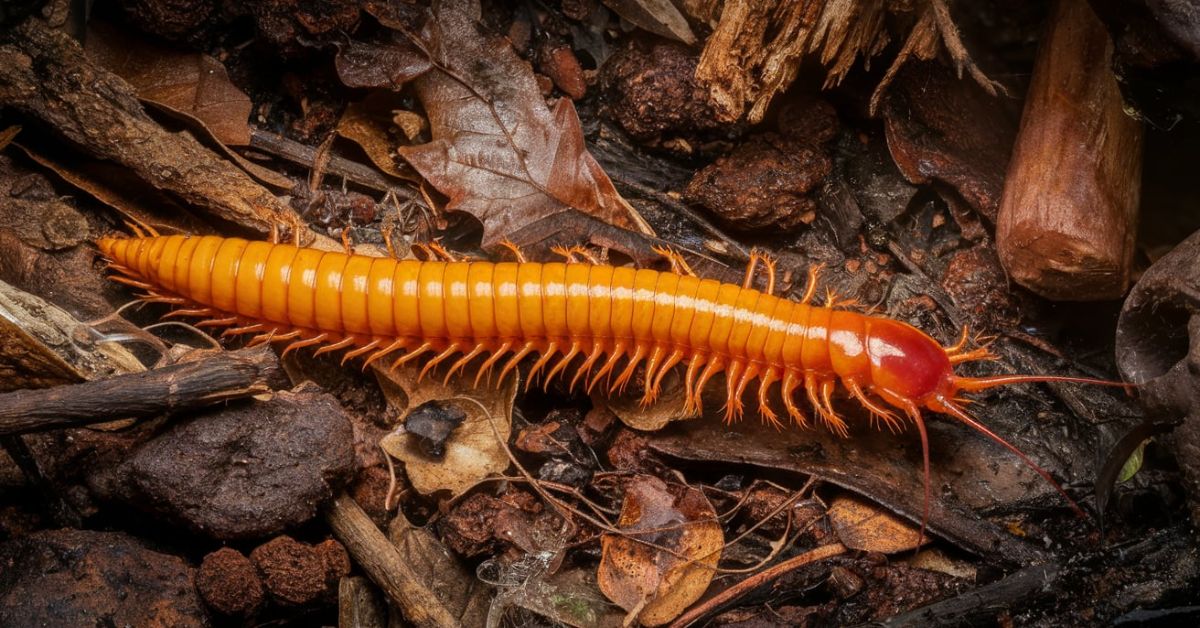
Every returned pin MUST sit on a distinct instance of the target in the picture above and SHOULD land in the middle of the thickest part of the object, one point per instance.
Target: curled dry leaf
(666, 554)
(388, 64)
(368, 123)
(863, 526)
(189, 82)
(667, 408)
(657, 16)
(498, 152)
(474, 450)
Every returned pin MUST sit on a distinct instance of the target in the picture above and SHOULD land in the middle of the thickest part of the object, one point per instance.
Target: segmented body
(601, 320)
(592, 322)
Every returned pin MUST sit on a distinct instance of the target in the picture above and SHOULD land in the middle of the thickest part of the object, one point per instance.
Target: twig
(225, 376)
(384, 564)
(753, 582)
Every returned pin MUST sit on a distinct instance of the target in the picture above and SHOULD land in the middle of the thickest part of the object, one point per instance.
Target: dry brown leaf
(657, 16)
(475, 449)
(192, 83)
(367, 124)
(498, 152)
(864, 526)
(656, 585)
(463, 595)
(389, 64)
(667, 408)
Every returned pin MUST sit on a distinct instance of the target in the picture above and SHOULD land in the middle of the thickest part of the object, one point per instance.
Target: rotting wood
(45, 74)
(1068, 217)
(384, 564)
(222, 377)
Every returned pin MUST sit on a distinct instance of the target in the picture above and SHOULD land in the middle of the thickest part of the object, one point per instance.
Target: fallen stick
(384, 564)
(1068, 216)
(222, 377)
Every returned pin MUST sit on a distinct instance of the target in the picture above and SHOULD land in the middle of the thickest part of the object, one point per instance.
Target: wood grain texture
(1068, 216)
(222, 377)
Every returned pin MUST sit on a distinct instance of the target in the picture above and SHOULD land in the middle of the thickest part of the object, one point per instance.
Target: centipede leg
(639, 353)
(567, 253)
(363, 350)
(515, 360)
(652, 371)
(876, 410)
(792, 381)
(346, 243)
(396, 345)
(679, 265)
(915, 415)
(675, 358)
(764, 404)
(300, 344)
(835, 422)
(810, 289)
(341, 344)
(486, 367)
(441, 252)
(715, 365)
(438, 359)
(462, 362)
(410, 356)
(692, 401)
(585, 370)
(618, 351)
(757, 256)
(748, 375)
(516, 250)
(541, 363)
(562, 364)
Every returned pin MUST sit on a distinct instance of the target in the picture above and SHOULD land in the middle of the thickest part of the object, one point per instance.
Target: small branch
(222, 377)
(753, 582)
(384, 564)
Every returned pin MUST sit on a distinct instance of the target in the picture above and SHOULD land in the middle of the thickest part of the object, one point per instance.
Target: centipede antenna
(953, 410)
(915, 415)
(975, 384)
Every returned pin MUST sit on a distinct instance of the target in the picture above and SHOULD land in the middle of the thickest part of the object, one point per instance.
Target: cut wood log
(1068, 216)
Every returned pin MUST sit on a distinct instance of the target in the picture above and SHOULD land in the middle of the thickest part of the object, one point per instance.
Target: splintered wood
(757, 46)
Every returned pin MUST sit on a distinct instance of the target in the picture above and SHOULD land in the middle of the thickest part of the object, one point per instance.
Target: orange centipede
(602, 321)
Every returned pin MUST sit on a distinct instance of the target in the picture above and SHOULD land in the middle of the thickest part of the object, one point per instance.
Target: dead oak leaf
(189, 82)
(498, 152)
(667, 554)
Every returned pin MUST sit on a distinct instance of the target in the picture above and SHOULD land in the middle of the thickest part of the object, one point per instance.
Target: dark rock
(229, 583)
(763, 185)
(651, 90)
(296, 573)
(432, 422)
(245, 471)
(86, 578)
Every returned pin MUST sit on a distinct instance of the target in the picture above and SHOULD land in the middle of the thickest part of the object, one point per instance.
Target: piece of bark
(1068, 216)
(384, 564)
(223, 377)
(45, 74)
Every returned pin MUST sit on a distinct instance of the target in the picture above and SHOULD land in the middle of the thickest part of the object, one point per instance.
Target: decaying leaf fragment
(863, 526)
(473, 451)
(667, 554)
(498, 152)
